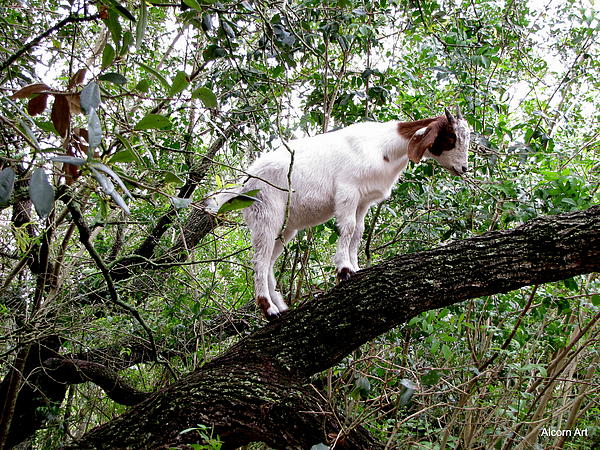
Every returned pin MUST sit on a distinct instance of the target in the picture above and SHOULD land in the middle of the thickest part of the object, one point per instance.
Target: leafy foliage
(126, 99)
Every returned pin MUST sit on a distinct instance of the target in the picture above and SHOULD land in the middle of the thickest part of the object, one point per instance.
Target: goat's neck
(399, 135)
(395, 144)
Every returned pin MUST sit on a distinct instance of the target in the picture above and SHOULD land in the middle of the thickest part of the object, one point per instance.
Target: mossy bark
(258, 389)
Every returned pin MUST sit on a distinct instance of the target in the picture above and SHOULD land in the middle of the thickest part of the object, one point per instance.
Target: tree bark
(258, 390)
(43, 390)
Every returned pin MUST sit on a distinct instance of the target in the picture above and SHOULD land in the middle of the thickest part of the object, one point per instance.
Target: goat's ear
(422, 141)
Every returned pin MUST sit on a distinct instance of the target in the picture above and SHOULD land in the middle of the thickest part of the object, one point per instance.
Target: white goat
(338, 174)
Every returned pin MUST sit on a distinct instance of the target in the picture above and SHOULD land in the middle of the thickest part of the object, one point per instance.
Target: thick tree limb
(256, 390)
(37, 392)
(48, 389)
(73, 371)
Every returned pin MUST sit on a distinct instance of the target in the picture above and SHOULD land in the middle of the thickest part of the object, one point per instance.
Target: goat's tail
(218, 198)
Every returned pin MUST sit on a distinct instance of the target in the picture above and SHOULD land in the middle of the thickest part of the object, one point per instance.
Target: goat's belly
(304, 215)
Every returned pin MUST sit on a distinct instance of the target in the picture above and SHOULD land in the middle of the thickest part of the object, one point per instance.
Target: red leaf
(61, 115)
(77, 79)
(37, 105)
(28, 91)
(74, 103)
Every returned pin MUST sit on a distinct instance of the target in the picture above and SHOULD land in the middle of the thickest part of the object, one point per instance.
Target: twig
(84, 237)
(506, 343)
(70, 19)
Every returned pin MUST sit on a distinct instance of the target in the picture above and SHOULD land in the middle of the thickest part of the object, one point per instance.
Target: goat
(337, 174)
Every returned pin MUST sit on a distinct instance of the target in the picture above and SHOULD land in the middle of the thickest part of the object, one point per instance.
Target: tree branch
(70, 19)
(84, 237)
(127, 266)
(256, 390)
(74, 371)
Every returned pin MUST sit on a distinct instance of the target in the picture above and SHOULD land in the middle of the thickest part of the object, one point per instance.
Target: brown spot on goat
(436, 135)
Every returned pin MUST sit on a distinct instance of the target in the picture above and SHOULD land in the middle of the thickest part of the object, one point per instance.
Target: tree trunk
(258, 390)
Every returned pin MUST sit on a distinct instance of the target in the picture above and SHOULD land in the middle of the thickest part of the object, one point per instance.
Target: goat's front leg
(345, 213)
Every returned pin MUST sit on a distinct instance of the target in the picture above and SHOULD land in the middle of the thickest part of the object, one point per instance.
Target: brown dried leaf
(28, 91)
(82, 132)
(71, 171)
(61, 115)
(77, 79)
(81, 148)
(37, 105)
(79, 141)
(74, 103)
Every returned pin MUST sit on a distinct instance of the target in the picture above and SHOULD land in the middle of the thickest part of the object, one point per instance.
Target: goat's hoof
(345, 274)
(278, 315)
(270, 312)
(272, 317)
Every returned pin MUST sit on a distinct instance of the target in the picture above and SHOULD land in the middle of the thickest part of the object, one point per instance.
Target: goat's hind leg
(276, 297)
(264, 230)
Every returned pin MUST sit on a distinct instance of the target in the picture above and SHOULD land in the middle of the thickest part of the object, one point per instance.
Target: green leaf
(108, 55)
(193, 4)
(207, 97)
(180, 203)
(143, 85)
(129, 150)
(596, 299)
(180, 82)
(124, 156)
(113, 77)
(218, 181)
(120, 9)
(113, 25)
(25, 127)
(170, 177)
(140, 26)
(571, 284)
(94, 131)
(7, 183)
(156, 74)
(239, 201)
(213, 52)
(41, 193)
(109, 189)
(153, 121)
(90, 97)
(432, 377)
(46, 125)
(127, 41)
(446, 351)
(69, 160)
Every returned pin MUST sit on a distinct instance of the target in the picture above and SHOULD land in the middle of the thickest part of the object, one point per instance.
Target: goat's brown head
(445, 139)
